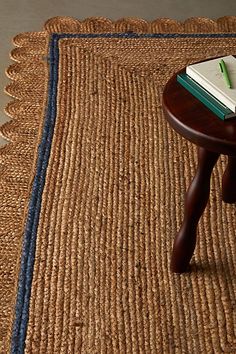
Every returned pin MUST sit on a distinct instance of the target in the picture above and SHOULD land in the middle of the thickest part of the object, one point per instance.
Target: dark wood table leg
(229, 181)
(195, 202)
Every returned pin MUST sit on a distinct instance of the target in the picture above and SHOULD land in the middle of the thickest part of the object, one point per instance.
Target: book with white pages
(208, 75)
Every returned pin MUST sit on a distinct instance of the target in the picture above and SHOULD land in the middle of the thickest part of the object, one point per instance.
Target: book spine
(200, 80)
(203, 98)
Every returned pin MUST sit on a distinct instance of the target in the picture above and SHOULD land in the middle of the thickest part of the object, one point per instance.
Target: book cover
(205, 97)
(209, 76)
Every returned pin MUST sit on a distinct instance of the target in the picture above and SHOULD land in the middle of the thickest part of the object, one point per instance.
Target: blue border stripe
(29, 242)
(144, 35)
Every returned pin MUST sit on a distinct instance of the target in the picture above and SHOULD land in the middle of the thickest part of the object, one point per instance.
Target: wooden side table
(191, 119)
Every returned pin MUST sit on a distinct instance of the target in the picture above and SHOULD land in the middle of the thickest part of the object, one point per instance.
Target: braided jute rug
(92, 191)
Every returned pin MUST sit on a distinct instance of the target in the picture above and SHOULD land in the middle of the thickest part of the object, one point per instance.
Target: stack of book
(212, 85)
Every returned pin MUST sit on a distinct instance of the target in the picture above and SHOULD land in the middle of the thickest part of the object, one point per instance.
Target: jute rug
(92, 190)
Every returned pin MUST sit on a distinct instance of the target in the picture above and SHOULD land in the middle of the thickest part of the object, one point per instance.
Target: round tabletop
(191, 119)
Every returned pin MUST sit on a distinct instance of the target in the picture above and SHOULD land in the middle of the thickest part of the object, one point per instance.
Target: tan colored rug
(91, 195)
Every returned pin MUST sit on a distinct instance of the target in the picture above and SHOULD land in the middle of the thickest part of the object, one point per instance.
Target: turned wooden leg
(229, 181)
(195, 203)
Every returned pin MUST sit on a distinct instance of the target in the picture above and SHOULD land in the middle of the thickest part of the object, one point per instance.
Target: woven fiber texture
(92, 189)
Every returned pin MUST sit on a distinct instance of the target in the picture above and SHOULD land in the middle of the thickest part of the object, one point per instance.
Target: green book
(205, 97)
